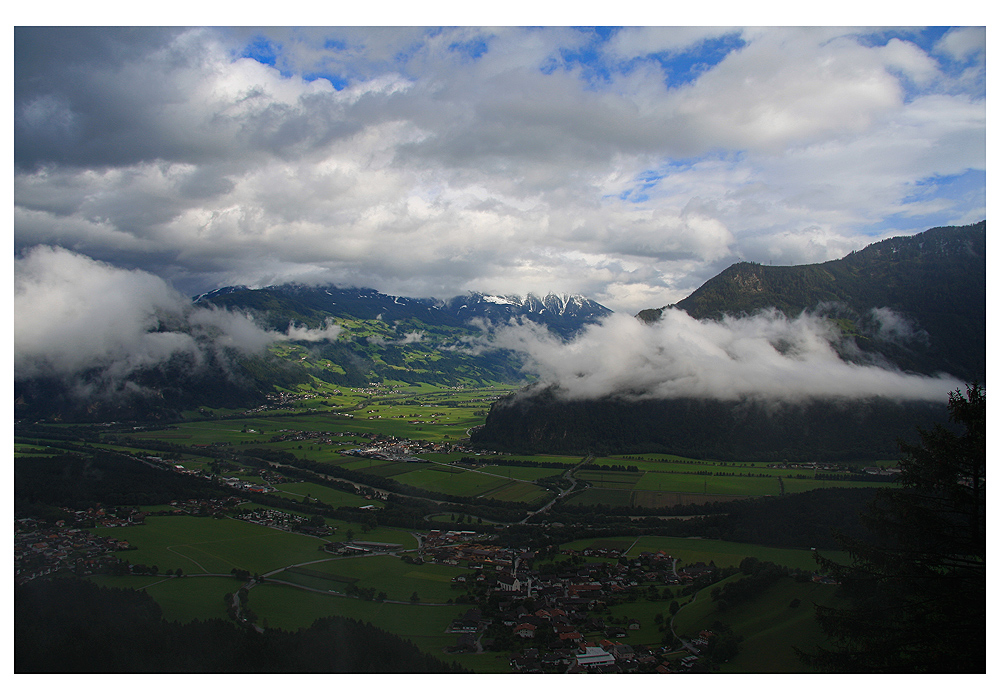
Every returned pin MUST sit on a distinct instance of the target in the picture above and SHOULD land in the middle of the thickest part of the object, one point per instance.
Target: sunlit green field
(428, 419)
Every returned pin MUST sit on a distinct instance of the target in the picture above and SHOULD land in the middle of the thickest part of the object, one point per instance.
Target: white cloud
(766, 356)
(507, 168)
(72, 313)
(328, 332)
(75, 316)
(962, 42)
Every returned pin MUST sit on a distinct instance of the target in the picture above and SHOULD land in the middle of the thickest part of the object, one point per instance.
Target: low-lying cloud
(765, 356)
(75, 316)
(328, 332)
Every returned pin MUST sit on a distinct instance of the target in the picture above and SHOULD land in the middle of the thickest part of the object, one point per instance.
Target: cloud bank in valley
(765, 356)
(98, 324)
(74, 316)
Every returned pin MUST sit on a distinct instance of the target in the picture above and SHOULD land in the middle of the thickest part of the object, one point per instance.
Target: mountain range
(934, 283)
(916, 304)
(911, 304)
(366, 337)
(277, 306)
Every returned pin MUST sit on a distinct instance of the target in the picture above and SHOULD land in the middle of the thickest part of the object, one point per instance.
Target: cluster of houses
(389, 448)
(214, 507)
(554, 618)
(555, 644)
(318, 437)
(361, 547)
(41, 549)
(270, 517)
(248, 486)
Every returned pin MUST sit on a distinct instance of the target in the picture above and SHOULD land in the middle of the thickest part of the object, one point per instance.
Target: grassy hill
(772, 625)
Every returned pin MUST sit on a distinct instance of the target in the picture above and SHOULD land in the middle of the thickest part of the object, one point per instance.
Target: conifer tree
(916, 591)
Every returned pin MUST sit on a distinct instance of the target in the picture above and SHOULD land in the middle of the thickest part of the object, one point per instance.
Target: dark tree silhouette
(917, 592)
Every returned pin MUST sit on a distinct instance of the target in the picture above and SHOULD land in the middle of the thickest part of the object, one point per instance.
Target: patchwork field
(324, 494)
(209, 545)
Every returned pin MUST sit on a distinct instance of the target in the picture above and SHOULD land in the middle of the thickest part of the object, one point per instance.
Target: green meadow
(398, 579)
(210, 545)
(772, 625)
(522, 473)
(323, 494)
(290, 608)
(182, 599)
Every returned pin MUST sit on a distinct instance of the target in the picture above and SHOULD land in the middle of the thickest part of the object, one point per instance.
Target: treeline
(753, 430)
(74, 626)
(517, 463)
(81, 481)
(800, 520)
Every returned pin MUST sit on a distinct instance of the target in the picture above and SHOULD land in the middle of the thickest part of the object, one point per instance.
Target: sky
(627, 164)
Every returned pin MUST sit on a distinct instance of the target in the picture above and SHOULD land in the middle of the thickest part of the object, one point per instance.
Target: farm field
(324, 494)
(209, 545)
(522, 473)
(398, 579)
(407, 411)
(465, 482)
(665, 488)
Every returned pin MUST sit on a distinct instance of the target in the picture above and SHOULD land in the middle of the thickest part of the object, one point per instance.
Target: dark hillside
(704, 429)
(74, 626)
(935, 279)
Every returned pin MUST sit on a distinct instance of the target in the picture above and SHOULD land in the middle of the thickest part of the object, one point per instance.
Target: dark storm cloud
(69, 106)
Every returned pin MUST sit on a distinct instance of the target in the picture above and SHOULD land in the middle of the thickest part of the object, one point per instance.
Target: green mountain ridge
(913, 303)
(935, 281)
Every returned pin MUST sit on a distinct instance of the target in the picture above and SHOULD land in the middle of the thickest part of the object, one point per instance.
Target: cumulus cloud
(962, 42)
(75, 316)
(766, 356)
(629, 166)
(328, 332)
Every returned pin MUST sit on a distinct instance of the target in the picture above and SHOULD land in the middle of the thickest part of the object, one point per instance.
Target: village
(556, 616)
(41, 549)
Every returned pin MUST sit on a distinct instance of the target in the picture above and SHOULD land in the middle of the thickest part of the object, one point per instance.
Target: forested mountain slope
(934, 281)
(915, 304)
